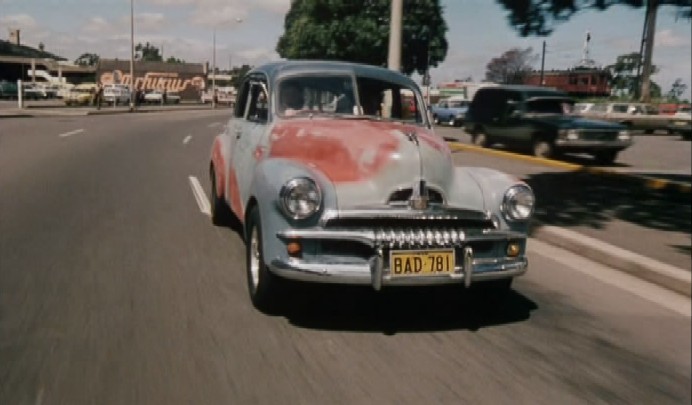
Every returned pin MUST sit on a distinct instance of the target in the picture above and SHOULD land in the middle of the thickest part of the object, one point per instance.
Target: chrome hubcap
(254, 258)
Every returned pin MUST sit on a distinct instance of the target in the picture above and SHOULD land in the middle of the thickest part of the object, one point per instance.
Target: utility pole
(651, 8)
(394, 56)
(542, 64)
(132, 55)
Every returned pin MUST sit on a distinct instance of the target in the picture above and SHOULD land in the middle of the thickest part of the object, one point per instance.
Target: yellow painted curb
(649, 182)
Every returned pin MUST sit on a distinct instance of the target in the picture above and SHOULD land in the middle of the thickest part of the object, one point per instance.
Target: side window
(258, 106)
(241, 102)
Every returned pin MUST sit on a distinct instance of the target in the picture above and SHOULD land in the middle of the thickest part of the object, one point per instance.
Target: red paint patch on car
(345, 151)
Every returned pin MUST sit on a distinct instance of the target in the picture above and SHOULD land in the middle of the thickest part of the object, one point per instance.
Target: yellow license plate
(405, 263)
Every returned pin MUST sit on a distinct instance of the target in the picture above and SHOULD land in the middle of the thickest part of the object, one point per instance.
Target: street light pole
(132, 54)
(213, 71)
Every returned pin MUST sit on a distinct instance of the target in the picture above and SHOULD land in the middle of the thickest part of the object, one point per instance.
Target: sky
(247, 32)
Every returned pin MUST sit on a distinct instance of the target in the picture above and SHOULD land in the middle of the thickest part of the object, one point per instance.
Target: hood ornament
(419, 196)
(411, 136)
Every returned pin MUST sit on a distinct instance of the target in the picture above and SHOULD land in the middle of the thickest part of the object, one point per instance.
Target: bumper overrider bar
(375, 273)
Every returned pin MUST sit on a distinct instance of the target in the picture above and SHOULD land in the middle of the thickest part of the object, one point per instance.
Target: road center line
(187, 139)
(199, 195)
(75, 132)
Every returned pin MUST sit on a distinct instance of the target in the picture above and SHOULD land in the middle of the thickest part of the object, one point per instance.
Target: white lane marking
(75, 132)
(214, 124)
(651, 292)
(200, 197)
(187, 139)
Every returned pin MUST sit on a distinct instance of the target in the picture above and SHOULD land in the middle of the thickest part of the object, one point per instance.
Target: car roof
(276, 70)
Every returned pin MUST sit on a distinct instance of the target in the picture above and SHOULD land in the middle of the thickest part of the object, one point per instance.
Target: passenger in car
(292, 99)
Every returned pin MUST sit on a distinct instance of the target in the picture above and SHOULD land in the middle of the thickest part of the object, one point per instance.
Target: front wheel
(543, 148)
(480, 139)
(261, 282)
(436, 120)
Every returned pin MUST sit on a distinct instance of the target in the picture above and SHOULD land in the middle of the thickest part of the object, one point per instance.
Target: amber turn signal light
(294, 249)
(513, 249)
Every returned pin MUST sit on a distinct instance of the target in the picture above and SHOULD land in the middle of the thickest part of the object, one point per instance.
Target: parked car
(540, 119)
(8, 90)
(116, 94)
(157, 97)
(222, 97)
(81, 94)
(333, 180)
(681, 122)
(450, 111)
(582, 108)
(635, 116)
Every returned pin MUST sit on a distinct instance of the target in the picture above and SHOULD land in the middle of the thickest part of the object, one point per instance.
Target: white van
(116, 94)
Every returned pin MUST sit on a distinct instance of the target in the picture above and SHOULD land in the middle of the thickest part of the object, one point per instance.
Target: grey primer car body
(541, 119)
(338, 194)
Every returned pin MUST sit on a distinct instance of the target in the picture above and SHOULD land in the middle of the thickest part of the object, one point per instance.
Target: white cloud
(20, 21)
(667, 38)
(97, 25)
(149, 22)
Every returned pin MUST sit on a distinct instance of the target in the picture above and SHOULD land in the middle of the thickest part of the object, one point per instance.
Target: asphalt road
(115, 288)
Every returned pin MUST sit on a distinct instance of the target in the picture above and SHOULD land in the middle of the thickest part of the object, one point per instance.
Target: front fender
(269, 177)
(493, 185)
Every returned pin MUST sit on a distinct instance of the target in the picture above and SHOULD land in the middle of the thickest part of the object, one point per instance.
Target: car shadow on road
(401, 309)
(584, 198)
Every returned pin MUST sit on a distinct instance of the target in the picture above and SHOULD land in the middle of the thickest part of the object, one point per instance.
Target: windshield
(335, 95)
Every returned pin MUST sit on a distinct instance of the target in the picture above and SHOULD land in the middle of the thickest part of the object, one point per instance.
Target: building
(577, 82)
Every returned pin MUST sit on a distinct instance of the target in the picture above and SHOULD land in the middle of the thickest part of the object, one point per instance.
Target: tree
(511, 67)
(359, 32)
(537, 17)
(238, 74)
(676, 90)
(41, 46)
(87, 59)
(148, 53)
(624, 74)
(173, 59)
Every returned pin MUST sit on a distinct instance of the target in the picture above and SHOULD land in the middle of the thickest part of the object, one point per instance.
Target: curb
(57, 112)
(662, 274)
(649, 182)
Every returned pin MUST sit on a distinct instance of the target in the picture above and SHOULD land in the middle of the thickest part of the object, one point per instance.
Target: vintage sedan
(333, 180)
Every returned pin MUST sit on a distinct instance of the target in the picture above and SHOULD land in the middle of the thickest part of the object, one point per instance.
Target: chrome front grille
(598, 135)
(404, 195)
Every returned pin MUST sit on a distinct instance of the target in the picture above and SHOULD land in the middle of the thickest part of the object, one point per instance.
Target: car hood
(366, 160)
(572, 121)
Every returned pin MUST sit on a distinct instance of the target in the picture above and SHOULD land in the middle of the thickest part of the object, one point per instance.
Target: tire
(452, 122)
(606, 157)
(220, 212)
(480, 139)
(436, 120)
(543, 148)
(262, 283)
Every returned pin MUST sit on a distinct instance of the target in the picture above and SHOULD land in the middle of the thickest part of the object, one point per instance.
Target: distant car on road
(333, 178)
(116, 94)
(635, 116)
(681, 122)
(450, 111)
(541, 120)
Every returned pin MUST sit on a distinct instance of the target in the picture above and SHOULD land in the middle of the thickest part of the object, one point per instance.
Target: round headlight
(518, 203)
(300, 198)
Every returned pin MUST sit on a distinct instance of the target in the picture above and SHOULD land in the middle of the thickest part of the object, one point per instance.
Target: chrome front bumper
(377, 275)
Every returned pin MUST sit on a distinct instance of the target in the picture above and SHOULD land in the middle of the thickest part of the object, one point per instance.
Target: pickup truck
(450, 111)
(635, 116)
